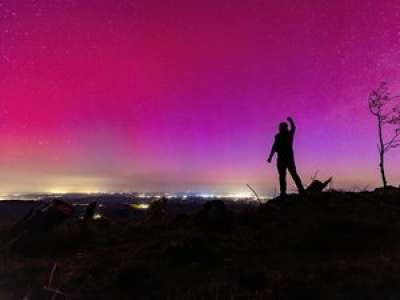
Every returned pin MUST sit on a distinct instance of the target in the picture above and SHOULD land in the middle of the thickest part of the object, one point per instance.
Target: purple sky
(112, 95)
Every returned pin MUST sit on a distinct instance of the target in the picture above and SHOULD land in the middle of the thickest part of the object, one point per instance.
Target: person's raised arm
(292, 125)
(273, 150)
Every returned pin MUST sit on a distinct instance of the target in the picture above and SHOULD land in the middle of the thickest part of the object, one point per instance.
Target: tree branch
(371, 109)
(394, 142)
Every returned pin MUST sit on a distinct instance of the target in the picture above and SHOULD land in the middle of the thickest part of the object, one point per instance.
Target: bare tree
(387, 112)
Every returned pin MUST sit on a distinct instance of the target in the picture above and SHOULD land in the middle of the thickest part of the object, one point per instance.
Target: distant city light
(140, 206)
(145, 196)
(97, 216)
(58, 191)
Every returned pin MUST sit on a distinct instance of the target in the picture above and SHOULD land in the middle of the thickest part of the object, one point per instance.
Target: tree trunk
(382, 168)
(381, 153)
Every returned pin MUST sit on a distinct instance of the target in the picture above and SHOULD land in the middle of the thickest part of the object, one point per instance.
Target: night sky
(113, 95)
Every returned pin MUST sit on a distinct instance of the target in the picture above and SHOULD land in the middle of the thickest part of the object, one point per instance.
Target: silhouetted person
(283, 145)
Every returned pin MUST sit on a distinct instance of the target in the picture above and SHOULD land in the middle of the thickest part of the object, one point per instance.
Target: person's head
(283, 127)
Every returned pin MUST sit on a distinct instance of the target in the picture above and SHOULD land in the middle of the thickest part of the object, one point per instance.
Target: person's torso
(284, 144)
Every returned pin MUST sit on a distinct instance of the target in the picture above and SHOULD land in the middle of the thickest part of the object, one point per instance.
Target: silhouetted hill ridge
(332, 245)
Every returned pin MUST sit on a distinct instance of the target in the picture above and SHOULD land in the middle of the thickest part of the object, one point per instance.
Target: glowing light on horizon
(142, 206)
(58, 191)
(73, 191)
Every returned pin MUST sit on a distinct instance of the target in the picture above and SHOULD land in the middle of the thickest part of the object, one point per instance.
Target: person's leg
(295, 176)
(282, 177)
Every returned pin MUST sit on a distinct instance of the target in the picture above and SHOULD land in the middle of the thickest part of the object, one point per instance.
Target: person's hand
(289, 118)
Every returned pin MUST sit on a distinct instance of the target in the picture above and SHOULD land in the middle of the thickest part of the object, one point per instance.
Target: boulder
(317, 186)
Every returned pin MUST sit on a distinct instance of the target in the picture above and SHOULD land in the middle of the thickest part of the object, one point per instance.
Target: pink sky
(116, 95)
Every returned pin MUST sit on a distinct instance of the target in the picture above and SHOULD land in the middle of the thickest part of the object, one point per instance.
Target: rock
(318, 186)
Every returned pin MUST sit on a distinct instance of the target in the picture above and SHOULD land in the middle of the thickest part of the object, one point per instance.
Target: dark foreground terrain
(324, 246)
